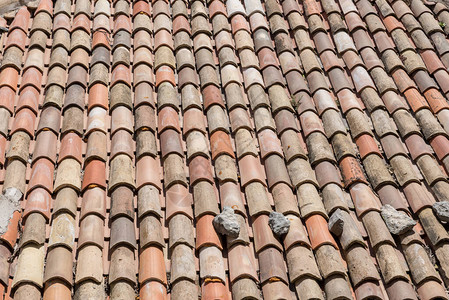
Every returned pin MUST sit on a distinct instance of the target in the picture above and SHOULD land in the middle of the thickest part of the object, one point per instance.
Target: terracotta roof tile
(323, 111)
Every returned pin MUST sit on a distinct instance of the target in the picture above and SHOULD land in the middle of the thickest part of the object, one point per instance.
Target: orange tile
(98, 96)
(57, 290)
(392, 23)
(415, 100)
(71, 147)
(220, 143)
(436, 100)
(10, 236)
(212, 95)
(214, 290)
(110, 222)
(94, 174)
(152, 265)
(263, 236)
(100, 38)
(318, 230)
(367, 145)
(141, 7)
(251, 170)
(351, 171)
(10, 77)
(206, 234)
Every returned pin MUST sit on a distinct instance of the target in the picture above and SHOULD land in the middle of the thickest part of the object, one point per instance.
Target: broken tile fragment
(441, 209)
(397, 221)
(279, 224)
(226, 222)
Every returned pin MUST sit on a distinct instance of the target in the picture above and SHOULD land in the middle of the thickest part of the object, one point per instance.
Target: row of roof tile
(135, 124)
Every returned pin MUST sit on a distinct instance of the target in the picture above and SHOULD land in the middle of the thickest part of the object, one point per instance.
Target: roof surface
(125, 128)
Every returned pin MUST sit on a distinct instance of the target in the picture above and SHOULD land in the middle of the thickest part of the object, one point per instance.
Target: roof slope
(125, 128)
